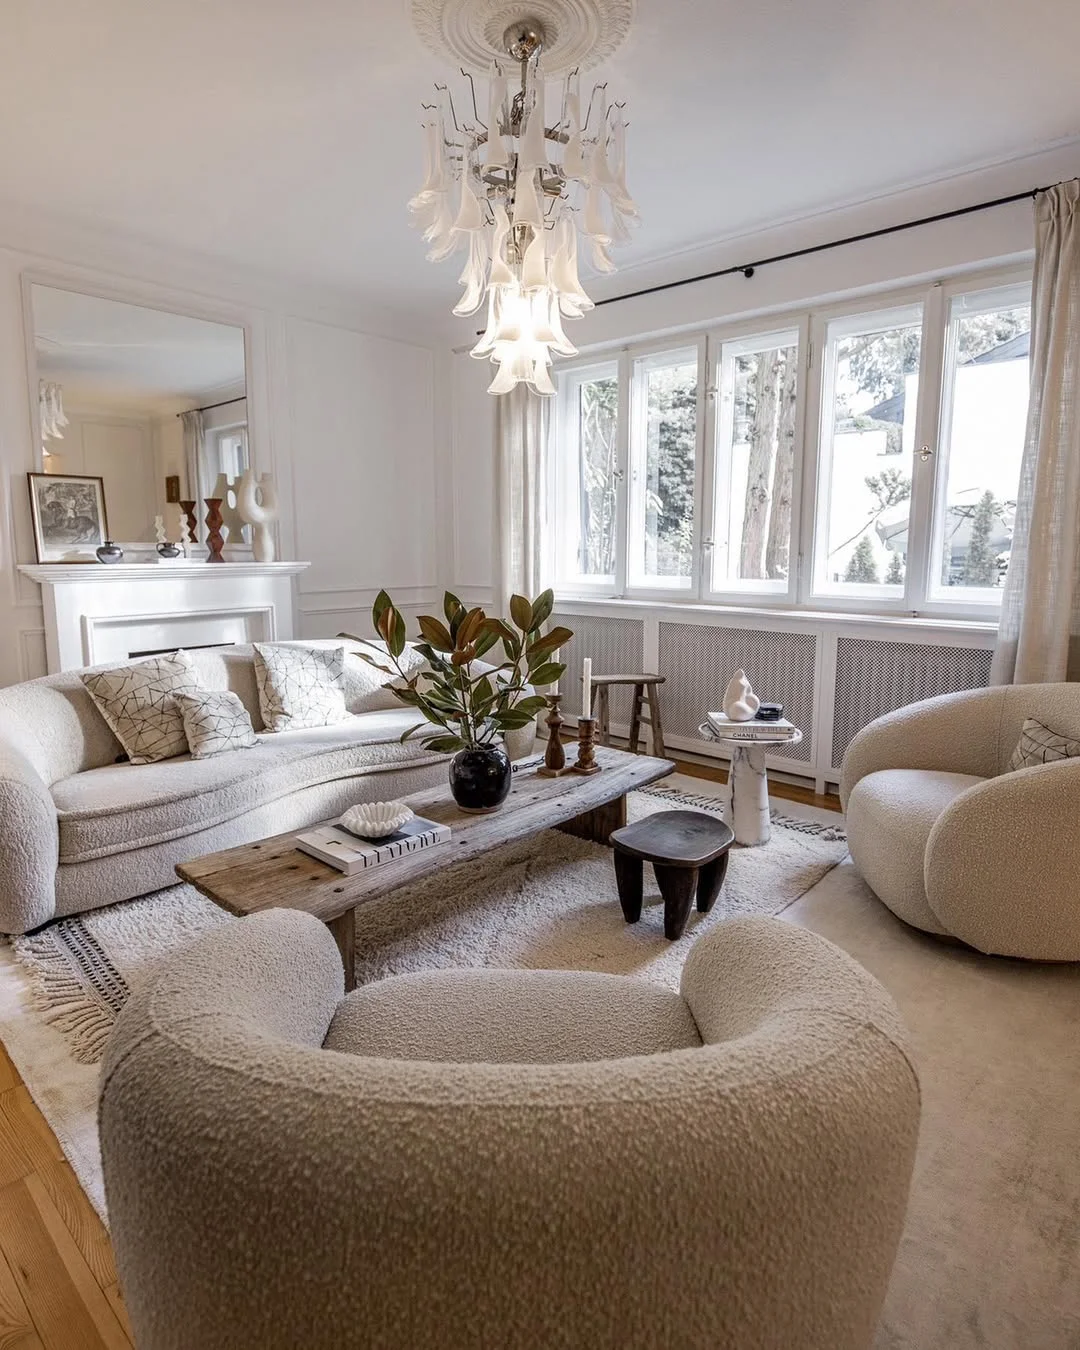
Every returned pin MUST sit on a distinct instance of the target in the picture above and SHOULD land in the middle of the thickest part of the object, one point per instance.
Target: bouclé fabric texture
(138, 701)
(215, 721)
(300, 686)
(581, 1164)
(1039, 745)
(955, 839)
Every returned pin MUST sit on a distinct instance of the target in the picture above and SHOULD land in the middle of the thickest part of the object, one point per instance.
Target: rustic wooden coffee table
(273, 874)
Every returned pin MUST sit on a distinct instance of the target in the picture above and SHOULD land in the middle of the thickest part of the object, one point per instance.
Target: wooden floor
(58, 1288)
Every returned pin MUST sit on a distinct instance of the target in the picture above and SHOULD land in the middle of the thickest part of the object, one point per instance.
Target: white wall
(967, 243)
(344, 419)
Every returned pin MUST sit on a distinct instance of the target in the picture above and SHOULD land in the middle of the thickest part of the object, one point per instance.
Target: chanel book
(348, 853)
(779, 730)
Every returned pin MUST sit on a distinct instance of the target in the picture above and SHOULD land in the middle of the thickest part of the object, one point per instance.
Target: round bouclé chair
(951, 840)
(488, 1158)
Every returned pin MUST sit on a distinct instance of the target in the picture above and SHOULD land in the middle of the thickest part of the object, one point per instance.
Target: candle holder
(586, 757)
(555, 755)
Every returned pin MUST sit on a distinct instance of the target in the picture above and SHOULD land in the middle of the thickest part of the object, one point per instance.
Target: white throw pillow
(215, 721)
(1039, 745)
(139, 702)
(300, 686)
(366, 689)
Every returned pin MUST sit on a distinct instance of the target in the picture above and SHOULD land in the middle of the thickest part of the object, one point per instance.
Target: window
(755, 463)
(866, 458)
(663, 457)
(983, 421)
(871, 389)
(587, 485)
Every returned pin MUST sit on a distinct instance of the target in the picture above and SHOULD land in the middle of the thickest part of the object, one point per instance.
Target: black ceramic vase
(480, 777)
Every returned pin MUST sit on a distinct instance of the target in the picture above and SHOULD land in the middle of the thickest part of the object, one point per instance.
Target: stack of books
(349, 853)
(722, 726)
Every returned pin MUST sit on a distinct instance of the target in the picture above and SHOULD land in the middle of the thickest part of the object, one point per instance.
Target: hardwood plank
(273, 873)
(14, 1158)
(9, 1075)
(116, 1303)
(20, 1113)
(81, 1220)
(68, 1308)
(17, 1330)
(792, 792)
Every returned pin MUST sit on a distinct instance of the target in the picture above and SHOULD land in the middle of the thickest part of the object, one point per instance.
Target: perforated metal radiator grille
(874, 677)
(699, 661)
(616, 647)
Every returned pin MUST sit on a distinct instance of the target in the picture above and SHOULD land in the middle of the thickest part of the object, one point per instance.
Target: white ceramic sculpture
(375, 820)
(159, 530)
(740, 701)
(257, 502)
(231, 517)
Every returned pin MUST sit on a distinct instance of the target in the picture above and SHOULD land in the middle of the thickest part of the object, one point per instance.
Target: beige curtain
(1039, 637)
(522, 421)
(193, 453)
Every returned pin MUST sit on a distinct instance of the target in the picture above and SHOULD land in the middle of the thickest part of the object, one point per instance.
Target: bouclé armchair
(951, 840)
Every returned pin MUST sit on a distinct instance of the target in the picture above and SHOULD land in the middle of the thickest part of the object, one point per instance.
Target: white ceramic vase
(740, 701)
(257, 502)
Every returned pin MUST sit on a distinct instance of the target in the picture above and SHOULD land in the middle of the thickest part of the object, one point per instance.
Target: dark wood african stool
(602, 686)
(689, 853)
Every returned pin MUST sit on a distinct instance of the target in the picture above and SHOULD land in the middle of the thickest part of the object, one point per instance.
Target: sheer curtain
(1039, 637)
(522, 421)
(193, 453)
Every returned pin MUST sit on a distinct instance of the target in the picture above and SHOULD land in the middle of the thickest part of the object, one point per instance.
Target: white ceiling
(130, 359)
(285, 136)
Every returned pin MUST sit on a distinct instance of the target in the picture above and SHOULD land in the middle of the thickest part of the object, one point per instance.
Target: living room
(539, 731)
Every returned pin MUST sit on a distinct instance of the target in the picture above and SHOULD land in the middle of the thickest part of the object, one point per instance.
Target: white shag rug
(545, 903)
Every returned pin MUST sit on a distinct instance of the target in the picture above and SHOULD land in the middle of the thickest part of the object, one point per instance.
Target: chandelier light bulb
(525, 192)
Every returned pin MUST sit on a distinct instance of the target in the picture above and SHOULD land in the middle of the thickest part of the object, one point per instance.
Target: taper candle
(586, 687)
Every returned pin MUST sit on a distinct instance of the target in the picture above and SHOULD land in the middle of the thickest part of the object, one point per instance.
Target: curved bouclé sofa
(951, 840)
(527, 1159)
(81, 827)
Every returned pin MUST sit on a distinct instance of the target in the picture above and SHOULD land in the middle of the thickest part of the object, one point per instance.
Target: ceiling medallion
(519, 187)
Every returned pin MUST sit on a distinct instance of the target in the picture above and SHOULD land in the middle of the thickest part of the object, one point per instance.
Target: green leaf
(541, 610)
(420, 726)
(470, 627)
(521, 612)
(532, 705)
(396, 639)
(451, 605)
(436, 634)
(445, 745)
(546, 674)
(381, 605)
(512, 721)
(485, 642)
(377, 664)
(551, 642)
(407, 696)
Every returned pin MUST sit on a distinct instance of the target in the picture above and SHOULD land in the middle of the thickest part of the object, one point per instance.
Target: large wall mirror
(138, 397)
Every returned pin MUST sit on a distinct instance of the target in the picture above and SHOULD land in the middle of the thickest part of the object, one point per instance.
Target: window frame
(809, 513)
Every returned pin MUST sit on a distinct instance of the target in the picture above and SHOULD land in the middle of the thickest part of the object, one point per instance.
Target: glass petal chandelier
(523, 196)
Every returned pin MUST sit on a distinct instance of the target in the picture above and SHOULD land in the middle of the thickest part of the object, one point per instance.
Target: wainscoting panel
(617, 647)
(699, 660)
(875, 677)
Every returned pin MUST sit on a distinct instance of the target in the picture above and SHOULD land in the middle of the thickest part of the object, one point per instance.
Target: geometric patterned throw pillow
(139, 702)
(214, 721)
(300, 686)
(1039, 745)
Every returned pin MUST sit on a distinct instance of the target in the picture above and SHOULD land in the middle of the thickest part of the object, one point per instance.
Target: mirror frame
(154, 297)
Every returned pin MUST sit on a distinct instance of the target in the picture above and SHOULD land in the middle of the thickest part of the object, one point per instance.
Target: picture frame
(69, 516)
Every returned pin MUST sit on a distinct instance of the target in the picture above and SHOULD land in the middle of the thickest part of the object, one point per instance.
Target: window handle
(925, 453)
(619, 475)
(708, 543)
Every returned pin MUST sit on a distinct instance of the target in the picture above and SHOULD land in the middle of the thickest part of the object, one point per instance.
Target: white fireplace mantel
(97, 612)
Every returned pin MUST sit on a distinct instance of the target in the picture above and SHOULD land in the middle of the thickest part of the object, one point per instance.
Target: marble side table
(746, 805)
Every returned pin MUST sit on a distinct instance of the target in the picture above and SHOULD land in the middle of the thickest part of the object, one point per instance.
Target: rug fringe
(57, 994)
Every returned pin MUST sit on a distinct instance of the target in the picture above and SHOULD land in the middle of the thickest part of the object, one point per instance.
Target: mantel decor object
(188, 509)
(586, 758)
(257, 503)
(110, 553)
(471, 702)
(554, 755)
(214, 539)
(68, 513)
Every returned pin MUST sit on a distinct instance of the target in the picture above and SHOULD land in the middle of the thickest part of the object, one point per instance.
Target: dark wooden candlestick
(554, 756)
(215, 542)
(188, 509)
(586, 757)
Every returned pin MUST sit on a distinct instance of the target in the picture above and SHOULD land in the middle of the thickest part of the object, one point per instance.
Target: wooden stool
(689, 853)
(602, 686)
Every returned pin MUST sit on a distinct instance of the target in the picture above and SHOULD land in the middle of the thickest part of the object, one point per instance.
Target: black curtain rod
(748, 269)
(211, 406)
